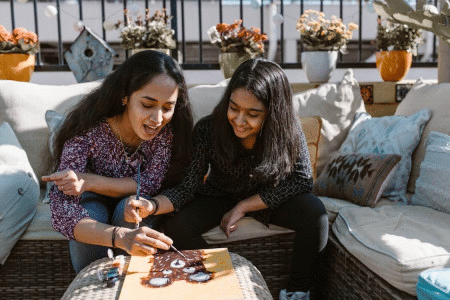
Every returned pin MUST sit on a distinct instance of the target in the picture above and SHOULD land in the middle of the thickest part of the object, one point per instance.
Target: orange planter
(393, 65)
(16, 66)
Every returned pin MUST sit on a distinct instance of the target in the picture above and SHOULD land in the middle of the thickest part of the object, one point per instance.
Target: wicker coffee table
(86, 284)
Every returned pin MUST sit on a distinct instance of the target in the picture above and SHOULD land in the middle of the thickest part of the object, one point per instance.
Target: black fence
(201, 54)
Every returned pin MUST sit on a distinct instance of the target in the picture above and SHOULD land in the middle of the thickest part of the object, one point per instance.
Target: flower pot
(230, 61)
(16, 66)
(319, 65)
(165, 51)
(393, 65)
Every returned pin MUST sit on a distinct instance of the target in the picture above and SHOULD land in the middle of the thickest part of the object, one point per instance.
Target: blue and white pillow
(434, 178)
(388, 135)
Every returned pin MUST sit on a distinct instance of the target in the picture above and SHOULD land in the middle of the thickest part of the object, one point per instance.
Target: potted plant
(152, 32)
(396, 44)
(237, 44)
(17, 53)
(322, 39)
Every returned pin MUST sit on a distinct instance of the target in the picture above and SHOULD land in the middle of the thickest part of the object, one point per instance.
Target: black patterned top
(236, 180)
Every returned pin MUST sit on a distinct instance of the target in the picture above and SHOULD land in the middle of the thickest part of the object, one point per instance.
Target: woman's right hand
(136, 210)
(142, 241)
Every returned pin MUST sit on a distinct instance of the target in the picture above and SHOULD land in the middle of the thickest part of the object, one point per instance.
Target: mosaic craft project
(171, 267)
(202, 274)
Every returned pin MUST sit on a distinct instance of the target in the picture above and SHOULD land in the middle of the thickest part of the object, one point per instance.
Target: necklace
(127, 158)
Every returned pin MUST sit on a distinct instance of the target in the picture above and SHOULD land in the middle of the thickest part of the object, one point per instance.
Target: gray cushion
(19, 191)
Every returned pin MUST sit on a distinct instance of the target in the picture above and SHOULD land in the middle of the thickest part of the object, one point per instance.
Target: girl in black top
(255, 154)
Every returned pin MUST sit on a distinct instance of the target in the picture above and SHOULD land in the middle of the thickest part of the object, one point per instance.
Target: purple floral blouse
(99, 151)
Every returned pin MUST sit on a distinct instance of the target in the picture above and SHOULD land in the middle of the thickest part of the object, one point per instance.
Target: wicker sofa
(38, 267)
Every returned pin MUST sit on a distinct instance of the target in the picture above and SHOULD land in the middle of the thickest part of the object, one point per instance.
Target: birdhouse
(90, 58)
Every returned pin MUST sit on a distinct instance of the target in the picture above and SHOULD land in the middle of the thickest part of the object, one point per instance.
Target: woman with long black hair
(255, 154)
(137, 121)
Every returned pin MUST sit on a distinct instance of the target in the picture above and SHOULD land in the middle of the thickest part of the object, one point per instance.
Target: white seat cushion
(41, 226)
(248, 228)
(397, 242)
(333, 205)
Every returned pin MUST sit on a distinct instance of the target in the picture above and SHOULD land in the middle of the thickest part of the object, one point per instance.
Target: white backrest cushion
(23, 106)
(204, 98)
(336, 104)
(435, 97)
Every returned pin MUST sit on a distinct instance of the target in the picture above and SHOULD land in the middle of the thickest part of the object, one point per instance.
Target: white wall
(214, 76)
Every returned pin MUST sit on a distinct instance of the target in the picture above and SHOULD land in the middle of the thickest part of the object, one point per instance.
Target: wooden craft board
(224, 285)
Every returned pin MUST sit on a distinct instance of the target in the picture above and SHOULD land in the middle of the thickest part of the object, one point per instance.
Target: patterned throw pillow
(388, 135)
(434, 178)
(358, 178)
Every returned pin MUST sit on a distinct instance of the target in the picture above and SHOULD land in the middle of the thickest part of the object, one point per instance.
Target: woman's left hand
(230, 219)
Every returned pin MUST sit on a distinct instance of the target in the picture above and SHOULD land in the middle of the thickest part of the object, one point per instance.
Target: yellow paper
(223, 285)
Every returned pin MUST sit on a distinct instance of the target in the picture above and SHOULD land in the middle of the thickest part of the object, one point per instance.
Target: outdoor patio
(343, 275)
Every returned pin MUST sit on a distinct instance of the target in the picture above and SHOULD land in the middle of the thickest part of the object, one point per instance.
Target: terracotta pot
(165, 51)
(230, 61)
(319, 65)
(393, 65)
(16, 66)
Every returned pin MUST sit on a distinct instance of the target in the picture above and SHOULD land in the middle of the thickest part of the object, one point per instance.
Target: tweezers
(138, 191)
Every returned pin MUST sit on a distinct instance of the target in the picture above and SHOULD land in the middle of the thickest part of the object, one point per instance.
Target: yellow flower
(352, 26)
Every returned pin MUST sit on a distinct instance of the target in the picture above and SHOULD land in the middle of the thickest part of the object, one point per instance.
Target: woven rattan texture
(36, 269)
(42, 270)
(271, 255)
(349, 279)
(87, 286)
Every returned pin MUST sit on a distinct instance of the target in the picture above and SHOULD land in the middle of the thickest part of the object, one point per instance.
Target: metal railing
(192, 18)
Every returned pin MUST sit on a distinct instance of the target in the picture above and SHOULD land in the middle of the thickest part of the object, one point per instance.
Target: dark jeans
(304, 213)
(106, 210)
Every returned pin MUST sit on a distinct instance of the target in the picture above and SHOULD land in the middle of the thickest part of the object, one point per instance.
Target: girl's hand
(68, 181)
(230, 219)
(142, 241)
(131, 212)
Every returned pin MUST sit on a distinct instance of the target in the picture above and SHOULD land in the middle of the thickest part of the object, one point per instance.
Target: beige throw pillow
(311, 127)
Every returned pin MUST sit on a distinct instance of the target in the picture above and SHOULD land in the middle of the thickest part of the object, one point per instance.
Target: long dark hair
(278, 145)
(106, 101)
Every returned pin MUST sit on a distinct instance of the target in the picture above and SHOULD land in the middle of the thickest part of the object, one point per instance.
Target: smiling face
(148, 110)
(246, 115)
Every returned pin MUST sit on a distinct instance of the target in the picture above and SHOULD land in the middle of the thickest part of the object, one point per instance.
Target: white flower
(214, 35)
